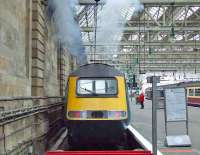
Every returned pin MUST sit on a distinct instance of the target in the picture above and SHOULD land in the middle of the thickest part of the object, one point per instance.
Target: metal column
(154, 115)
(154, 80)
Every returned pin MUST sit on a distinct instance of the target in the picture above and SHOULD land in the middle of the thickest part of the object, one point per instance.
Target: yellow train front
(97, 107)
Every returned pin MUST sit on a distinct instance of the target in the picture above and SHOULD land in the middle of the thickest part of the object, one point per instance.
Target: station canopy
(163, 35)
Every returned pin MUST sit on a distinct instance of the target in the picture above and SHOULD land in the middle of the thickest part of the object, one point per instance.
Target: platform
(142, 122)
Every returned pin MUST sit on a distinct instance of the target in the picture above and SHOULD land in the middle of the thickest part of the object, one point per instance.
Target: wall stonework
(13, 75)
(38, 48)
(31, 64)
(51, 80)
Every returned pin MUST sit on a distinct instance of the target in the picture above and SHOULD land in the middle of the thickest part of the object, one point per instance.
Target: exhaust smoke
(62, 13)
(112, 22)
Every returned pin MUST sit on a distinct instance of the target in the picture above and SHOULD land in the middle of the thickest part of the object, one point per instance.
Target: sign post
(154, 80)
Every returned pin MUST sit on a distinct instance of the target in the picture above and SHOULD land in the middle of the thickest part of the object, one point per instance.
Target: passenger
(141, 99)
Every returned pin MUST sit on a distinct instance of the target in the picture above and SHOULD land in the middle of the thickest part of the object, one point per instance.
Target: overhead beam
(156, 55)
(151, 62)
(161, 68)
(137, 43)
(157, 2)
(146, 29)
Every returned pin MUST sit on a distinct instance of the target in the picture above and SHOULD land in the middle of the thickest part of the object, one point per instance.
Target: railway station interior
(99, 77)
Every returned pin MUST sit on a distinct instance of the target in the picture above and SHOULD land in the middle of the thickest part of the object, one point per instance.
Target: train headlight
(116, 114)
(77, 114)
(97, 114)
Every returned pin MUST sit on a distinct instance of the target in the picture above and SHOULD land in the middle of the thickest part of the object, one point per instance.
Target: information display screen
(175, 101)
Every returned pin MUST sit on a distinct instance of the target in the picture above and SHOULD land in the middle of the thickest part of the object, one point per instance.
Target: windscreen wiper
(90, 91)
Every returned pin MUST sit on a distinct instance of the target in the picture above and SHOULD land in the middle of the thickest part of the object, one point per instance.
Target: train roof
(177, 85)
(184, 84)
(96, 70)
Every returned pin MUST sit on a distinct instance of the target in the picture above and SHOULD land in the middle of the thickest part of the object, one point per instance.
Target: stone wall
(29, 54)
(51, 63)
(51, 80)
(31, 64)
(14, 75)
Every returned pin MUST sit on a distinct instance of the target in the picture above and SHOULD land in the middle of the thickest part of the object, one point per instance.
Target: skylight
(157, 12)
(79, 9)
(130, 13)
(196, 37)
(186, 13)
(178, 37)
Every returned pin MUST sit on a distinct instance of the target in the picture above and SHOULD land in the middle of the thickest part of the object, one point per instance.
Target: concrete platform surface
(142, 122)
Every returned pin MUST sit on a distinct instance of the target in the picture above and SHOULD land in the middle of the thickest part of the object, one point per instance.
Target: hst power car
(97, 107)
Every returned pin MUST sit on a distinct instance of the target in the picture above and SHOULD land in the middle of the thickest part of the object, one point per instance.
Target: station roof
(163, 36)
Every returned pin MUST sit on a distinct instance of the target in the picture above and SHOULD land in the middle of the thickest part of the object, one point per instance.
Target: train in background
(192, 90)
(97, 106)
(160, 95)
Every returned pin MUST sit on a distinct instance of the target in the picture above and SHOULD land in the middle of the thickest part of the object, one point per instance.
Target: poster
(175, 101)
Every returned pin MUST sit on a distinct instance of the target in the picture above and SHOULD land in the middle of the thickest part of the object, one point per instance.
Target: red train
(193, 96)
(192, 88)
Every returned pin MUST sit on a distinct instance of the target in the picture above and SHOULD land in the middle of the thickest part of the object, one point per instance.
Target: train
(193, 95)
(192, 91)
(97, 106)
(160, 96)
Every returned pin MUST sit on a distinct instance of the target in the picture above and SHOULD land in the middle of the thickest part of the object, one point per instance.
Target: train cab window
(97, 86)
(197, 92)
(191, 92)
(85, 86)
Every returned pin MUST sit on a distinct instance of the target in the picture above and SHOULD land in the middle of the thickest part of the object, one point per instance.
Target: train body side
(193, 96)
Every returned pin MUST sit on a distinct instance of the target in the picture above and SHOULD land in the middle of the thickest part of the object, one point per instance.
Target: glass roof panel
(157, 12)
(178, 37)
(181, 16)
(79, 9)
(195, 8)
(133, 37)
(186, 13)
(196, 37)
(130, 13)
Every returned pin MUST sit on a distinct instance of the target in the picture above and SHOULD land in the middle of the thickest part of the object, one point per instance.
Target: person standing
(141, 99)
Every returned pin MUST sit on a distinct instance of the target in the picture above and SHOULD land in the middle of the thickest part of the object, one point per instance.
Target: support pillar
(38, 49)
